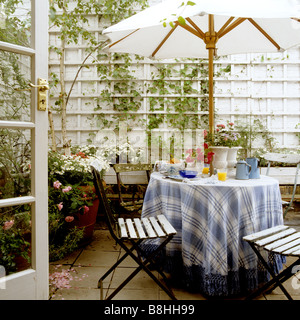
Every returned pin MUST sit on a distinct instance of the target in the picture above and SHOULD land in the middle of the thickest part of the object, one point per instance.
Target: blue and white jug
(243, 170)
(253, 162)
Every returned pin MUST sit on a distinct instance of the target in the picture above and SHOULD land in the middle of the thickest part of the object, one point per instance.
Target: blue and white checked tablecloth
(211, 217)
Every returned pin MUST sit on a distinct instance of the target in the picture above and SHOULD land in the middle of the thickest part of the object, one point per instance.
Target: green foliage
(253, 131)
(16, 29)
(13, 241)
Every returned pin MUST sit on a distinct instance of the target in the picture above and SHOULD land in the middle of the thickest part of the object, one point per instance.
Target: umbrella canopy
(204, 28)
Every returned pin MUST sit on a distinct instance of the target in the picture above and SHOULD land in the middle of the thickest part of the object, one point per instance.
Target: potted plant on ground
(72, 201)
(15, 238)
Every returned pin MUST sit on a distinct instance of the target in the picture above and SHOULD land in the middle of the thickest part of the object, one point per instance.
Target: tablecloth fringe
(197, 279)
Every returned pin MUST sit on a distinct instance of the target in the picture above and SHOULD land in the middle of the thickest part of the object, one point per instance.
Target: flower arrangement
(71, 194)
(122, 151)
(226, 137)
(75, 168)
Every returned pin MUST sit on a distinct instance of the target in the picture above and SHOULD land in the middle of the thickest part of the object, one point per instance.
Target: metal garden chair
(282, 240)
(287, 159)
(134, 232)
(132, 205)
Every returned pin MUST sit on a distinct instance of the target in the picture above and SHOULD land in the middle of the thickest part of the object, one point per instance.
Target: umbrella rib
(164, 40)
(234, 24)
(265, 33)
(225, 25)
(191, 30)
(111, 45)
(201, 33)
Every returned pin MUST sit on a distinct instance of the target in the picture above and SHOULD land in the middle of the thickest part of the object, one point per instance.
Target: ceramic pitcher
(253, 162)
(243, 170)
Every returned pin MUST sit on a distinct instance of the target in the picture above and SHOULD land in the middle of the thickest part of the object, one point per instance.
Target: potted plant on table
(224, 144)
(73, 204)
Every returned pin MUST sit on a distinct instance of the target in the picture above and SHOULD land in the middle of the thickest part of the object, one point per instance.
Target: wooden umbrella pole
(211, 114)
(210, 40)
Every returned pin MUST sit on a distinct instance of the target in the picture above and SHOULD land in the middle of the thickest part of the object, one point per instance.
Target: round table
(211, 218)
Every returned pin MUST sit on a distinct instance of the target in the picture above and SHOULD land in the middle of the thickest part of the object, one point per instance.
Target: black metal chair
(134, 204)
(282, 240)
(134, 232)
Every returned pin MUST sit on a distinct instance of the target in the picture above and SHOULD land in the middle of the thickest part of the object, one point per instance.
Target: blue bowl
(188, 173)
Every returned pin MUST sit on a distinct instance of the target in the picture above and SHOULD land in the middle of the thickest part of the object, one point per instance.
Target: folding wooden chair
(287, 159)
(134, 232)
(282, 240)
(135, 203)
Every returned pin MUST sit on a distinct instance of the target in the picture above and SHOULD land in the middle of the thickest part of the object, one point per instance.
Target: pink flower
(189, 158)
(56, 184)
(69, 218)
(60, 206)
(221, 126)
(231, 123)
(200, 155)
(67, 189)
(8, 224)
(86, 209)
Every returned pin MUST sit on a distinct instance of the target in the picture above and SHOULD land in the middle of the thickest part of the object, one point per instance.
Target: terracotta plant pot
(87, 220)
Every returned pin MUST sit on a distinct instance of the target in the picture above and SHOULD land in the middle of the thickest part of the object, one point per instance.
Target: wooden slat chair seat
(135, 204)
(282, 240)
(134, 231)
(290, 159)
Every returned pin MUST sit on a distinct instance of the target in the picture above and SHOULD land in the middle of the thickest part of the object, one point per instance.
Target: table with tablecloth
(211, 217)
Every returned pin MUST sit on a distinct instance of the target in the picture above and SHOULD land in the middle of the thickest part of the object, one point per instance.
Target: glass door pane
(15, 93)
(15, 22)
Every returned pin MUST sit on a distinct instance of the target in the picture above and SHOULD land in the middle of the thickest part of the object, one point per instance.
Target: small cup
(222, 174)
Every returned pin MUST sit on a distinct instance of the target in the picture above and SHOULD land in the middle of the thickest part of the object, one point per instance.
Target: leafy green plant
(71, 193)
(14, 242)
(250, 133)
(72, 22)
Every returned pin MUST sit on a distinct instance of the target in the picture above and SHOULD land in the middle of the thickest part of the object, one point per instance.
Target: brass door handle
(42, 94)
(41, 87)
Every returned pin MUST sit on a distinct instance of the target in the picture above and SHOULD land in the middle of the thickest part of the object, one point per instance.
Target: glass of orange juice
(222, 174)
(205, 170)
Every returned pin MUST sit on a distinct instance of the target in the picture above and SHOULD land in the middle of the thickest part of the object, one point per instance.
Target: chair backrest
(282, 158)
(103, 203)
(131, 167)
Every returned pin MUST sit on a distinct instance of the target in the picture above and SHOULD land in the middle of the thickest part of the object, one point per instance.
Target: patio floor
(88, 264)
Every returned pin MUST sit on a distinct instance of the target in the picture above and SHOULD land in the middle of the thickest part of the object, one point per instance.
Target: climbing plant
(71, 19)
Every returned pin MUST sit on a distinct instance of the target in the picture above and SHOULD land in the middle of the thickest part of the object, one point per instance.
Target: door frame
(33, 283)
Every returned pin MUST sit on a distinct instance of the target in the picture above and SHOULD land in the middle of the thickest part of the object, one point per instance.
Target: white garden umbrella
(204, 28)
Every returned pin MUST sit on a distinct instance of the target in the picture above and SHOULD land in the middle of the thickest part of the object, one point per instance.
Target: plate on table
(180, 178)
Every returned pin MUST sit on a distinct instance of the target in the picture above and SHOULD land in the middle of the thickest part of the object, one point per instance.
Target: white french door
(24, 144)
